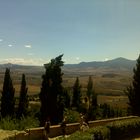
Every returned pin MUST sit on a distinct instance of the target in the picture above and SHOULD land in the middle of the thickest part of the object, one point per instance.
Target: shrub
(28, 122)
(8, 124)
(100, 133)
(118, 130)
(78, 136)
(14, 124)
(72, 116)
(122, 129)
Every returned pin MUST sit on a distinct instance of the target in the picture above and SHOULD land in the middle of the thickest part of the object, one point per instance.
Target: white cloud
(77, 58)
(28, 46)
(10, 45)
(106, 59)
(1, 40)
(14, 60)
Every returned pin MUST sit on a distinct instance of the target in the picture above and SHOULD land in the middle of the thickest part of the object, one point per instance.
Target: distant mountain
(22, 68)
(117, 63)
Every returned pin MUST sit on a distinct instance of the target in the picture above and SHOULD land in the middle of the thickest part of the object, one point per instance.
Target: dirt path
(6, 133)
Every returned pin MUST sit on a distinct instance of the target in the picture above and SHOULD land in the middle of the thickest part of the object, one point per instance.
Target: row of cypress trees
(54, 98)
(8, 99)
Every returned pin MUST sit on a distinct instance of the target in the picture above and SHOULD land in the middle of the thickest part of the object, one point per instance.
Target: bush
(100, 133)
(72, 116)
(125, 128)
(97, 133)
(9, 123)
(78, 136)
(118, 130)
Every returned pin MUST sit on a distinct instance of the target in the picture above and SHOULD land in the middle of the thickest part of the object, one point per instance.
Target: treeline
(8, 99)
(56, 101)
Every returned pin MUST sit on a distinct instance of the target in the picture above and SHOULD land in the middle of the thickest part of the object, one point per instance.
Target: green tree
(51, 90)
(133, 91)
(23, 99)
(76, 100)
(7, 100)
(92, 98)
(90, 90)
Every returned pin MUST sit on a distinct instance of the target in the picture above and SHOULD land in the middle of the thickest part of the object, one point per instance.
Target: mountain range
(114, 64)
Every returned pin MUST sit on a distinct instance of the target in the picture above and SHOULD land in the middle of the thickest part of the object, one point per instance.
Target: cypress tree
(51, 90)
(90, 90)
(7, 100)
(133, 91)
(92, 98)
(23, 99)
(76, 100)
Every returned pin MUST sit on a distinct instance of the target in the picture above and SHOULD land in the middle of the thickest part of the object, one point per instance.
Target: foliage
(23, 100)
(133, 91)
(92, 98)
(96, 133)
(109, 112)
(7, 99)
(118, 130)
(9, 123)
(124, 129)
(78, 136)
(71, 116)
(100, 133)
(51, 91)
(76, 100)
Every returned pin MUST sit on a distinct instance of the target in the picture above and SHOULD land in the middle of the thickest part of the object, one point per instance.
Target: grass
(14, 124)
(118, 130)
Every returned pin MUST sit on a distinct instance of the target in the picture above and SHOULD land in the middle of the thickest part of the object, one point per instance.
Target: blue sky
(34, 31)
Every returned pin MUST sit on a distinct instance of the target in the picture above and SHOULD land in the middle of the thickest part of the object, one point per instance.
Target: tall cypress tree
(7, 100)
(92, 98)
(23, 99)
(50, 91)
(76, 100)
(133, 91)
(90, 90)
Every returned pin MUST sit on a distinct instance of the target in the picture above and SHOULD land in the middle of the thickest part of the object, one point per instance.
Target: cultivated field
(108, 84)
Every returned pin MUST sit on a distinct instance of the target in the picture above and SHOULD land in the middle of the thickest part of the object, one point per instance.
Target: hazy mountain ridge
(110, 65)
(114, 63)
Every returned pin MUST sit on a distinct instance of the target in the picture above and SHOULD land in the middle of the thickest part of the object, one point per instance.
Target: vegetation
(23, 99)
(51, 91)
(57, 101)
(9, 123)
(133, 91)
(124, 129)
(92, 98)
(76, 100)
(7, 100)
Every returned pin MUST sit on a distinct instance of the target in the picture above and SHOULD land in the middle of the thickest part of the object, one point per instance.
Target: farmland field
(108, 85)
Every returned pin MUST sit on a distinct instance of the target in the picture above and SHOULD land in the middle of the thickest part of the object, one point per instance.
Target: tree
(92, 98)
(51, 90)
(133, 91)
(76, 100)
(23, 99)
(7, 100)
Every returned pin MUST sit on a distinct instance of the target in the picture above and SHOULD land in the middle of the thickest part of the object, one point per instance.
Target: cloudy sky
(34, 31)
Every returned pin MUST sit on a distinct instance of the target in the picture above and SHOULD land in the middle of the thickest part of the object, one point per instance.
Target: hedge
(118, 130)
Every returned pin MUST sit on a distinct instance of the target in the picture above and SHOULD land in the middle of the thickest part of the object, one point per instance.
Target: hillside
(110, 77)
(116, 66)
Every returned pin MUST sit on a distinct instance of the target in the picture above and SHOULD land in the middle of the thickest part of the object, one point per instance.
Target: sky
(32, 32)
